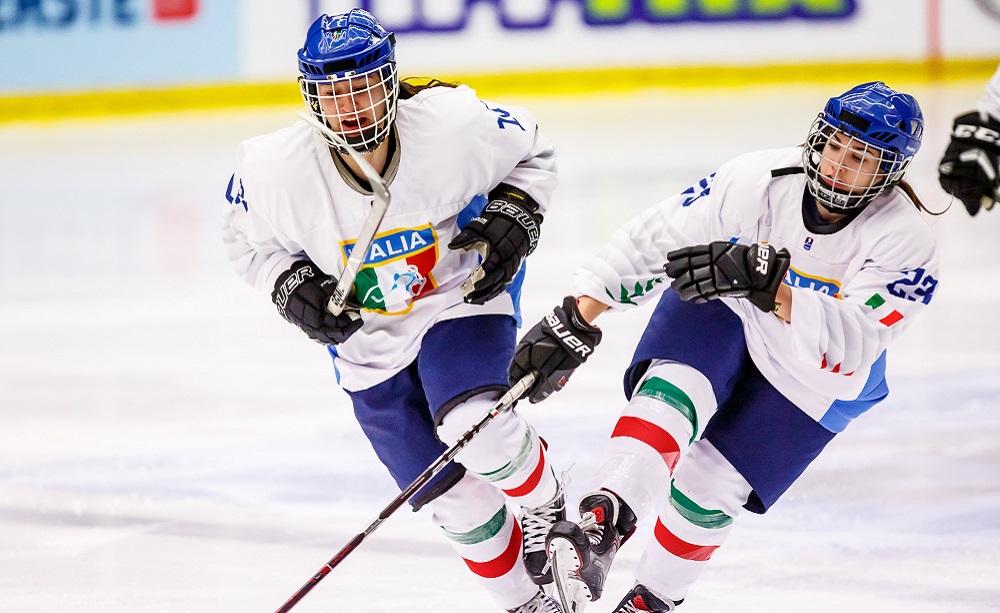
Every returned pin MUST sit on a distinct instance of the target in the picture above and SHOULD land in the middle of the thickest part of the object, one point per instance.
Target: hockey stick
(381, 204)
(504, 403)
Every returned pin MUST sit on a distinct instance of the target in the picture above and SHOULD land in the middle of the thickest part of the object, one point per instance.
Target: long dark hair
(912, 195)
(411, 86)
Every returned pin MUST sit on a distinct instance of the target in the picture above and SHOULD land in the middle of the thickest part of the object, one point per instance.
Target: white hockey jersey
(990, 102)
(291, 199)
(854, 290)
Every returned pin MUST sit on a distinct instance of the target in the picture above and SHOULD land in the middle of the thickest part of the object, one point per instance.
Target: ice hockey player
(423, 348)
(793, 270)
(970, 167)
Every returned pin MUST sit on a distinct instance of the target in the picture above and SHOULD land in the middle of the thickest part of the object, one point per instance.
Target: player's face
(355, 107)
(849, 165)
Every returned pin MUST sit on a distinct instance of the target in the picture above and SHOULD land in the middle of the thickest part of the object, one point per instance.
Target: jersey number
(505, 118)
(917, 286)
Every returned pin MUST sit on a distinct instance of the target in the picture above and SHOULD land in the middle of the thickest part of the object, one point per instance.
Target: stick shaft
(504, 403)
(380, 192)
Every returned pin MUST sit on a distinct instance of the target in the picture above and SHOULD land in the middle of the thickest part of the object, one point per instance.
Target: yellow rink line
(37, 106)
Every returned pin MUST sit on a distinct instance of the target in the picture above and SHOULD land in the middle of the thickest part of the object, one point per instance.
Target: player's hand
(301, 294)
(504, 234)
(970, 168)
(720, 268)
(553, 349)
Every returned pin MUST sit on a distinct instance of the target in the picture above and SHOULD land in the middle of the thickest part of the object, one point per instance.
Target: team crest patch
(797, 278)
(396, 270)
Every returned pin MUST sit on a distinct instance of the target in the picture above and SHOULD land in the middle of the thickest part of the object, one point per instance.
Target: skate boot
(641, 599)
(581, 552)
(539, 604)
(535, 525)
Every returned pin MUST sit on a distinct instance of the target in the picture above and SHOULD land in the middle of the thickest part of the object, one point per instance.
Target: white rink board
(100, 45)
(873, 31)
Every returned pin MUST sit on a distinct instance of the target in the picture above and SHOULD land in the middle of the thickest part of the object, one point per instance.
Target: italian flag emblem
(396, 270)
(876, 302)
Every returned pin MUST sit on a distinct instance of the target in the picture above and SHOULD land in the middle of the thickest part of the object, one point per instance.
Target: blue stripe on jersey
(333, 355)
(514, 289)
(471, 210)
(841, 412)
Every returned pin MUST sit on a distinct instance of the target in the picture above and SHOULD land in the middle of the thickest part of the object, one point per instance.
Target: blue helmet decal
(341, 46)
(879, 116)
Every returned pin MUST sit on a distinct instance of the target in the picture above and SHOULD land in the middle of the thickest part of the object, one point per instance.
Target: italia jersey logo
(797, 278)
(396, 270)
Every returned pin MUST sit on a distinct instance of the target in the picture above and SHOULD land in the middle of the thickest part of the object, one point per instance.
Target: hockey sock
(668, 410)
(507, 453)
(474, 517)
(705, 498)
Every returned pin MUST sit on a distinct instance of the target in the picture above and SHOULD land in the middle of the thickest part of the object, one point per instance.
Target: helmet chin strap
(377, 157)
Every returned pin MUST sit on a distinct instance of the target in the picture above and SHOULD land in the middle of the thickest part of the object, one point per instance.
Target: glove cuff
(503, 196)
(571, 306)
(781, 260)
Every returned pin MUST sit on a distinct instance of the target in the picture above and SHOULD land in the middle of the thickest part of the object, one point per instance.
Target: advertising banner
(94, 45)
(67, 45)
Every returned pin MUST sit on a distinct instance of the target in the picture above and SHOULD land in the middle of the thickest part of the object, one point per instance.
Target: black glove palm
(504, 234)
(301, 294)
(553, 349)
(720, 268)
(970, 168)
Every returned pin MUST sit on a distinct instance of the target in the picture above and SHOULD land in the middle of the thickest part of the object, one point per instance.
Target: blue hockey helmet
(348, 76)
(871, 119)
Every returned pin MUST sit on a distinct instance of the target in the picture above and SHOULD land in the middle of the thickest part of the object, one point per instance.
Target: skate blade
(573, 593)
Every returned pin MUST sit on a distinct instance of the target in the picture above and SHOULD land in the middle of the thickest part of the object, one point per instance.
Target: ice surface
(167, 444)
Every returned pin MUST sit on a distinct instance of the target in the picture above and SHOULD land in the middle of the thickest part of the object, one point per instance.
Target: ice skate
(535, 525)
(539, 604)
(581, 552)
(641, 599)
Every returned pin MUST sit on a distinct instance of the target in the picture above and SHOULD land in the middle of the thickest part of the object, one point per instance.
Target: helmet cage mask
(360, 109)
(349, 79)
(870, 128)
(854, 181)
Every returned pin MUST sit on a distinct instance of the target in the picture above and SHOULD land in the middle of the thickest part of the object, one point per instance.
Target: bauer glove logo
(762, 258)
(294, 280)
(566, 337)
(981, 133)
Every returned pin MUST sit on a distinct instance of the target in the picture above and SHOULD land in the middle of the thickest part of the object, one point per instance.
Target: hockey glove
(970, 168)
(720, 268)
(504, 234)
(553, 349)
(301, 294)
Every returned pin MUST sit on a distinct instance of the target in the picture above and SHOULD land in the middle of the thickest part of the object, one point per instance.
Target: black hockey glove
(301, 294)
(720, 268)
(553, 349)
(970, 168)
(504, 234)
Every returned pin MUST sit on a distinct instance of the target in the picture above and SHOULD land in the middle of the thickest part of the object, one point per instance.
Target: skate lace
(630, 608)
(539, 604)
(594, 530)
(635, 604)
(536, 522)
